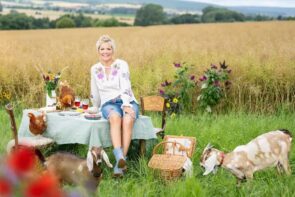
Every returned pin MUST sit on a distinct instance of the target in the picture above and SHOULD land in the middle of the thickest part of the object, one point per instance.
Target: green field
(224, 132)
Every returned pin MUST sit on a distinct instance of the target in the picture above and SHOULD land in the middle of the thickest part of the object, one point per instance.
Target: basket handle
(181, 147)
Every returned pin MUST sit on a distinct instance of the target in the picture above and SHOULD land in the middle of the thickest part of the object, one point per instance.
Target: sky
(268, 3)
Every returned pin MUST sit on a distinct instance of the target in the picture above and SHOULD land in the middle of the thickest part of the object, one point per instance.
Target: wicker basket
(169, 166)
(188, 145)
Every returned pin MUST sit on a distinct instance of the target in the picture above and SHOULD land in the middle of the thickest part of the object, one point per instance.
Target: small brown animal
(37, 124)
(66, 95)
(74, 170)
(268, 149)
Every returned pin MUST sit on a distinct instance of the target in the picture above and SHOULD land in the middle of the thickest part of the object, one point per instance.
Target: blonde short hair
(105, 39)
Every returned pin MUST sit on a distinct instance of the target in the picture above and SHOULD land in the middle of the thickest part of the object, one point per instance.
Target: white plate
(69, 113)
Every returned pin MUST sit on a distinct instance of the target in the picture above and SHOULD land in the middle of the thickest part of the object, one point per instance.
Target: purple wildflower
(216, 83)
(227, 83)
(213, 66)
(167, 83)
(223, 65)
(161, 92)
(192, 77)
(177, 65)
(203, 78)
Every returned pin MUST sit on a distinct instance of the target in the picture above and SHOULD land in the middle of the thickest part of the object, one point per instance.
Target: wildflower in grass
(178, 93)
(177, 65)
(168, 105)
(175, 100)
(213, 66)
(173, 115)
(203, 78)
(214, 84)
(22, 161)
(5, 187)
(45, 185)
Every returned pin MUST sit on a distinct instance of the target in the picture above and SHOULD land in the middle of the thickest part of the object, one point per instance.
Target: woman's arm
(94, 92)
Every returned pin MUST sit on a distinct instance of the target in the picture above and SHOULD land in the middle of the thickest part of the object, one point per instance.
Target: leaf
(208, 109)
(199, 97)
(204, 85)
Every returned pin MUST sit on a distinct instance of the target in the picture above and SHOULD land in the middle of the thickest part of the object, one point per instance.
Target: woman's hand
(129, 110)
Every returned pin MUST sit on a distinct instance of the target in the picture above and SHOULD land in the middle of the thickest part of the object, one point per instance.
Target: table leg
(142, 145)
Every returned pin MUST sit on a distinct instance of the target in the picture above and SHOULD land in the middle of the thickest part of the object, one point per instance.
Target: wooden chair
(36, 142)
(153, 104)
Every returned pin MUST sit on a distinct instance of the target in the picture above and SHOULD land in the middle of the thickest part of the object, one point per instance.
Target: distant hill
(183, 5)
(189, 6)
(269, 11)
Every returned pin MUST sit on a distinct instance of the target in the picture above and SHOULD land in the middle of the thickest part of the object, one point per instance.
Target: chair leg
(142, 144)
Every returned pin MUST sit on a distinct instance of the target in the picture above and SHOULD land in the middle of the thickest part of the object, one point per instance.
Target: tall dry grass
(261, 55)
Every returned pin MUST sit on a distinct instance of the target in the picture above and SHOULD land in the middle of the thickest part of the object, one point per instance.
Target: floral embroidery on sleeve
(126, 76)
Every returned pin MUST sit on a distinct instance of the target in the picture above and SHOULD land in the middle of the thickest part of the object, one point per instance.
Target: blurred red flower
(47, 185)
(22, 160)
(5, 188)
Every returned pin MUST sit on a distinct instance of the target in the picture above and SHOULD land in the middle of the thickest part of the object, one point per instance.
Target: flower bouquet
(50, 85)
(51, 82)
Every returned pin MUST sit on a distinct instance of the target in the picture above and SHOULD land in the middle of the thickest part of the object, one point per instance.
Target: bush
(65, 22)
(150, 14)
(213, 85)
(179, 93)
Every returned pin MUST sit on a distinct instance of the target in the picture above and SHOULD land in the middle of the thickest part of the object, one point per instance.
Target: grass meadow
(225, 132)
(262, 96)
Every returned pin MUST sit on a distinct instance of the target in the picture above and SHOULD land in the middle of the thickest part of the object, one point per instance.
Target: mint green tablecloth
(77, 129)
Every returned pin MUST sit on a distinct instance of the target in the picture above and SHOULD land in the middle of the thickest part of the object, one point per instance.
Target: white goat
(74, 170)
(269, 149)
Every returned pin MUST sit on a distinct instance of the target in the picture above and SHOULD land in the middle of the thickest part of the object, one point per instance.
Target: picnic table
(69, 129)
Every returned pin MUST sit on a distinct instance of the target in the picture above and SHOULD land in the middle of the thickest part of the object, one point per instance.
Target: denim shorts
(114, 105)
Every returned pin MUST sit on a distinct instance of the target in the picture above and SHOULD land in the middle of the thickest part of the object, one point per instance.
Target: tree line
(15, 20)
(152, 14)
(149, 14)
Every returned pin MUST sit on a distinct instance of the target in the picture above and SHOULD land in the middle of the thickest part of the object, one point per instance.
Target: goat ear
(89, 161)
(106, 158)
(210, 164)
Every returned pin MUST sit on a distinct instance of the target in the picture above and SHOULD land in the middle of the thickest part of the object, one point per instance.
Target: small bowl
(92, 116)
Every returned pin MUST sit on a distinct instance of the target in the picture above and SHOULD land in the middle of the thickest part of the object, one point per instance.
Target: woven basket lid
(166, 162)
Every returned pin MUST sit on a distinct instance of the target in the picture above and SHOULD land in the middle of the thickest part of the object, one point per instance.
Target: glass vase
(51, 100)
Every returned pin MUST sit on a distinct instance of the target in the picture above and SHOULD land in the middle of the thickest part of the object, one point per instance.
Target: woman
(111, 90)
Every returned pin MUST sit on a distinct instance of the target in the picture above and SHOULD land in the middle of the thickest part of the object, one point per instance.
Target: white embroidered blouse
(106, 87)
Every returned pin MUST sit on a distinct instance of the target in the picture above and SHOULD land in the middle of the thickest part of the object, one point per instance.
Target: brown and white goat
(74, 170)
(269, 149)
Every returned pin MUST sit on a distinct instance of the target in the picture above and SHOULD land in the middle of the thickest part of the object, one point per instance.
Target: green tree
(215, 14)
(150, 14)
(65, 22)
(186, 18)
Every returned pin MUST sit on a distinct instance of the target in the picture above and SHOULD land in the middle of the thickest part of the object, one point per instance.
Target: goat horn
(208, 146)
